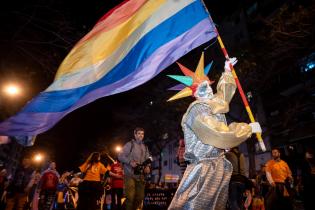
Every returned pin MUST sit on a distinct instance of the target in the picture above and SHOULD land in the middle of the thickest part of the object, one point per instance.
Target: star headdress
(191, 79)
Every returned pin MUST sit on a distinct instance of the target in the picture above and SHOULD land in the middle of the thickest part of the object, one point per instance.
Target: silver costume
(206, 179)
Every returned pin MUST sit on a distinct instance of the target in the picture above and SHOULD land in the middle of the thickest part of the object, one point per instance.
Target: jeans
(134, 190)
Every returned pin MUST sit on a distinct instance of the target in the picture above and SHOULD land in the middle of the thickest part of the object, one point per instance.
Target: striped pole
(240, 89)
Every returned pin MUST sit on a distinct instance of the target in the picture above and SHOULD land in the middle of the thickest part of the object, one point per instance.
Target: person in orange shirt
(278, 172)
(90, 189)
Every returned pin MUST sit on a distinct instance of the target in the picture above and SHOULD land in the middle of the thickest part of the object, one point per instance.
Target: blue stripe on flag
(58, 101)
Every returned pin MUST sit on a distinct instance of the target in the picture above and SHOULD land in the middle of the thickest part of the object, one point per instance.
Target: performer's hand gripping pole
(240, 89)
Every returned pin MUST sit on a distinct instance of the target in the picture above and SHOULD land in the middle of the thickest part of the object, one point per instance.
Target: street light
(118, 148)
(38, 158)
(11, 89)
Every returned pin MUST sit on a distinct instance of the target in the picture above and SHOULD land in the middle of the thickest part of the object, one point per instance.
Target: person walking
(262, 182)
(207, 135)
(117, 183)
(133, 155)
(48, 187)
(17, 192)
(278, 172)
(90, 188)
(238, 182)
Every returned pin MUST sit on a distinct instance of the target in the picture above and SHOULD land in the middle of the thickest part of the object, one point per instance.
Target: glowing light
(118, 148)
(12, 90)
(38, 158)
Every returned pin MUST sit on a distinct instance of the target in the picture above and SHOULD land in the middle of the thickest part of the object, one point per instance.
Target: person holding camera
(135, 158)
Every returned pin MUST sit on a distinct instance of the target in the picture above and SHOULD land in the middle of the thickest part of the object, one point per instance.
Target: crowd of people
(272, 187)
(32, 189)
(97, 186)
(92, 186)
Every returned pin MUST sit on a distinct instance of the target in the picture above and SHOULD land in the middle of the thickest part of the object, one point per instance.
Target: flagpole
(239, 87)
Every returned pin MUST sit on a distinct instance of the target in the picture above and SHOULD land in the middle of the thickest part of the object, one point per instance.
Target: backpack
(49, 181)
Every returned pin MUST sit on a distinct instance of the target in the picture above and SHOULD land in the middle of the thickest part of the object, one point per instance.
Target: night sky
(35, 37)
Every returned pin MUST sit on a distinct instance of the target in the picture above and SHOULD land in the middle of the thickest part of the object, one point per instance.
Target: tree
(277, 44)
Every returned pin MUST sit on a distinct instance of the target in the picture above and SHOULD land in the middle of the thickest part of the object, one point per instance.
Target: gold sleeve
(226, 86)
(215, 133)
(225, 91)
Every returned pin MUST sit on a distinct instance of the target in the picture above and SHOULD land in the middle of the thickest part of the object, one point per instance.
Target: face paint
(204, 91)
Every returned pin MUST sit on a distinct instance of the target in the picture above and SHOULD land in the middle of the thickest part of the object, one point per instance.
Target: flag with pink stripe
(128, 46)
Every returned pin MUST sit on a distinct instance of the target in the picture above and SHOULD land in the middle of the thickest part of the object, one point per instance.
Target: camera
(139, 169)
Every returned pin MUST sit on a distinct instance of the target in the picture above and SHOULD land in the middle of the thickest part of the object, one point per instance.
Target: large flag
(128, 46)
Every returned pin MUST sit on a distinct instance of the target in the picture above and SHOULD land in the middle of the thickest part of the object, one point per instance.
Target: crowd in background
(32, 189)
(98, 186)
(92, 186)
(273, 187)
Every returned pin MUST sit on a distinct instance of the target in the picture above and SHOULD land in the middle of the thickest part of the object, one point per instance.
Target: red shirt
(116, 168)
(49, 180)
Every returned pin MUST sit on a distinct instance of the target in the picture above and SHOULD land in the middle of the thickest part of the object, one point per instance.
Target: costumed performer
(206, 180)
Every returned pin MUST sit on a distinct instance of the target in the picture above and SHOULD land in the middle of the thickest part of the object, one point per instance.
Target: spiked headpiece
(191, 79)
